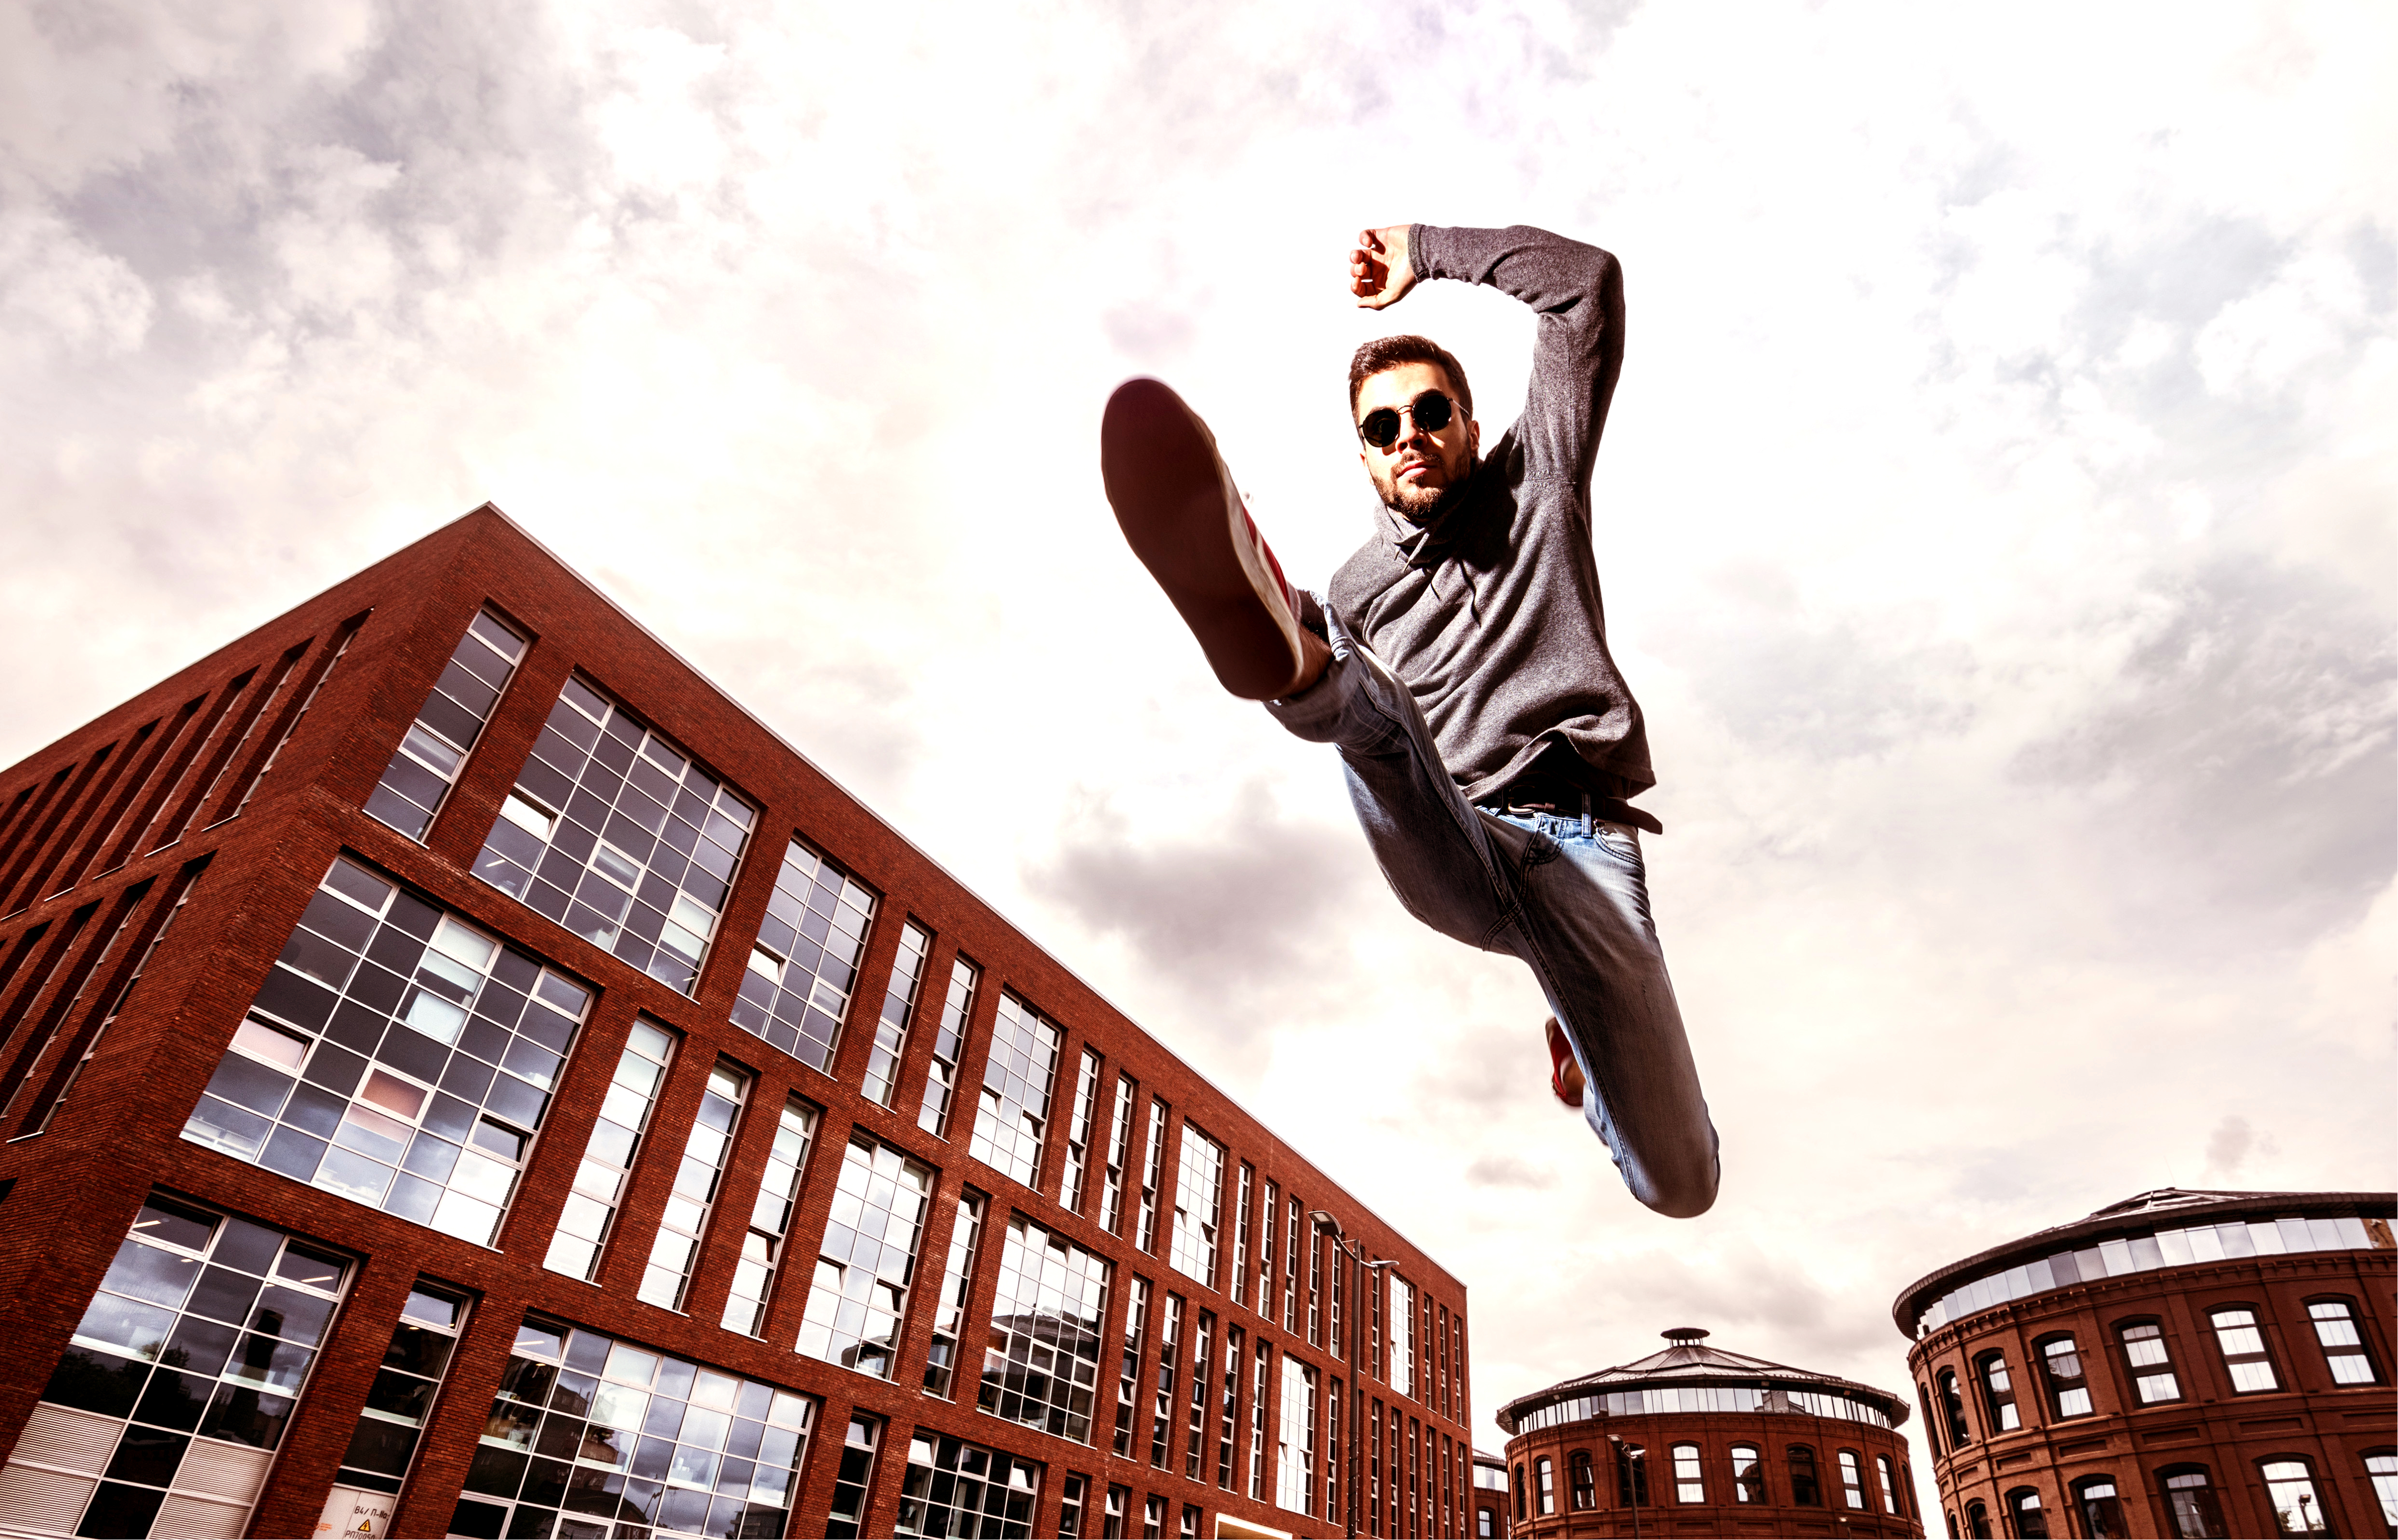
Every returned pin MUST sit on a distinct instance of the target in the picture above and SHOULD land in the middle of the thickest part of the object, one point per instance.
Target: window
(1203, 1353)
(957, 1284)
(2151, 1366)
(2196, 1513)
(2027, 1519)
(1485, 1522)
(1931, 1418)
(1290, 1265)
(685, 1221)
(898, 1009)
(2101, 1509)
(1631, 1475)
(795, 994)
(1014, 1113)
(1152, 1520)
(853, 1484)
(2382, 1468)
(1544, 1486)
(2068, 1388)
(1998, 1392)
(430, 1116)
(608, 1158)
(1977, 1521)
(1803, 1491)
(1853, 1479)
(1584, 1492)
(1192, 1518)
(168, 1402)
(1119, 1500)
(1403, 1336)
(1169, 1354)
(955, 1488)
(1295, 1465)
(2335, 1324)
(1075, 1491)
(1242, 1221)
(1198, 1206)
(770, 1220)
(1078, 1134)
(1315, 1287)
(1520, 1491)
(1228, 1425)
(1153, 1173)
(620, 838)
(1952, 1402)
(1260, 1384)
(428, 758)
(1046, 1318)
(1748, 1474)
(400, 1400)
(1135, 1328)
(581, 1418)
(2244, 1353)
(860, 1295)
(941, 1078)
(1690, 1483)
(1890, 1503)
(2290, 1486)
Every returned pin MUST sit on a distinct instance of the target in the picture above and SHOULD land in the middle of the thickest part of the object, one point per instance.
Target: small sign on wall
(354, 1514)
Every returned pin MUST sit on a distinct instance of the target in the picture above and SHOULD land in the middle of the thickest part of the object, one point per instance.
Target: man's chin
(1417, 504)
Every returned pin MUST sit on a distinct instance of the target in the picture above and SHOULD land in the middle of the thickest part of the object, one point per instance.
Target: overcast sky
(1996, 519)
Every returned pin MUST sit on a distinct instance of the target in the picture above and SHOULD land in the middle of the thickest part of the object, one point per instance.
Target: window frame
(2312, 1479)
(2360, 1349)
(2203, 1494)
(2233, 1362)
(2079, 1501)
(2139, 1374)
(1749, 1487)
(1544, 1480)
(2001, 1403)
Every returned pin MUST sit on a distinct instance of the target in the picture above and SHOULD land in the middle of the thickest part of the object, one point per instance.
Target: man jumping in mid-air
(1459, 662)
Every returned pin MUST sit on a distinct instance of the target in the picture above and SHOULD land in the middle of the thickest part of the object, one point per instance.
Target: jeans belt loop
(1585, 815)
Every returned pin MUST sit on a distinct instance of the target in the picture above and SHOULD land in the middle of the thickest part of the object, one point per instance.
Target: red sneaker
(1562, 1064)
(1184, 519)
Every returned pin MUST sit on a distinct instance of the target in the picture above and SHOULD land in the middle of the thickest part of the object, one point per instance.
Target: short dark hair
(1389, 352)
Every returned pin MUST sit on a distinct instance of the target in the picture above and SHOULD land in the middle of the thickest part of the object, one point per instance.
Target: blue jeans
(1569, 897)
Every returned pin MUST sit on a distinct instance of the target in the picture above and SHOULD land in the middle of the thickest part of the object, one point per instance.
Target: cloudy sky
(1993, 519)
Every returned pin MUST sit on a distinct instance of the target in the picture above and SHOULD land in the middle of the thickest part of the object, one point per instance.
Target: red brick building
(459, 1073)
(1698, 1440)
(2181, 1363)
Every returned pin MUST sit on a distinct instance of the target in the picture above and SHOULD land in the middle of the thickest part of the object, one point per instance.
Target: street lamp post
(1627, 1455)
(1358, 1267)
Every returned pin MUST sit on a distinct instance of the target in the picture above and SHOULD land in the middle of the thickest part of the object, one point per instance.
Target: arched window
(1977, 1521)
(2025, 1515)
(1952, 1402)
(1485, 1522)
(2102, 1511)
(2382, 1468)
(1586, 1486)
(1889, 1486)
(2152, 1364)
(2290, 1487)
(1519, 1490)
(1803, 1491)
(1931, 1418)
(2068, 1387)
(1748, 1474)
(1631, 1476)
(2242, 1343)
(1852, 1478)
(2344, 1353)
(1690, 1485)
(1545, 1478)
(1998, 1393)
(2192, 1506)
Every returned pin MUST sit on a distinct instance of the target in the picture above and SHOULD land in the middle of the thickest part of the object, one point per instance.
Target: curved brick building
(462, 1074)
(2181, 1363)
(1697, 1440)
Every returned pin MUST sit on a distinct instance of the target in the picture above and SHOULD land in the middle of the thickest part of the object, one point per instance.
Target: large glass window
(1228, 1422)
(1135, 1327)
(858, 1298)
(427, 761)
(1203, 1358)
(2026, 1517)
(1198, 1206)
(2152, 1364)
(1690, 1479)
(1803, 1490)
(1079, 1124)
(1853, 1479)
(1243, 1220)
(2191, 1503)
(1748, 1474)
(163, 1415)
(957, 1283)
(400, 1400)
(941, 1078)
(1953, 1406)
(1042, 1367)
(967, 1491)
(770, 1220)
(2101, 1509)
(1119, 1153)
(620, 838)
(2244, 1350)
(2382, 1468)
(2290, 1487)
(795, 994)
(1998, 1392)
(606, 1431)
(1295, 1467)
(394, 1056)
(2344, 1354)
(1890, 1503)
(898, 1009)
(853, 1484)
(1403, 1335)
(1152, 1172)
(607, 1159)
(685, 1221)
(1169, 1355)
(2068, 1385)
(1013, 1116)
(1584, 1489)
(1260, 1398)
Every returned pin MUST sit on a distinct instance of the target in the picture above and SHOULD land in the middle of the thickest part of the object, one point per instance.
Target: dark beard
(1422, 506)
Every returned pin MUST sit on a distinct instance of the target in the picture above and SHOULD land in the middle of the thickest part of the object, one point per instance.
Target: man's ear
(1473, 439)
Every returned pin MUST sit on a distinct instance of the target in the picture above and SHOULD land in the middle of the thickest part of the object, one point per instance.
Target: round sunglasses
(1431, 411)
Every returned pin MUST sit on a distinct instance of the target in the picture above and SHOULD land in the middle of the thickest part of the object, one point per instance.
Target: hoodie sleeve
(1577, 349)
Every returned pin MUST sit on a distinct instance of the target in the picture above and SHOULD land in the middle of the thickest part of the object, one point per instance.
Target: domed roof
(1690, 1362)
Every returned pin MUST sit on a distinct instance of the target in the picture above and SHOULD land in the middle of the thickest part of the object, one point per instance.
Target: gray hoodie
(1492, 613)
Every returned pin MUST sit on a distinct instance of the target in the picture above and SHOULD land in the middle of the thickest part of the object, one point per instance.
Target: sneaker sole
(1183, 516)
